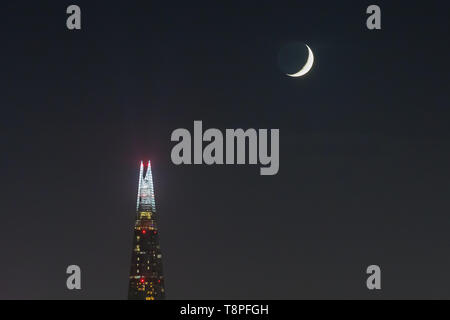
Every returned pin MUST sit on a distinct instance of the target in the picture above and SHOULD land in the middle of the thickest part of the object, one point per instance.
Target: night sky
(364, 148)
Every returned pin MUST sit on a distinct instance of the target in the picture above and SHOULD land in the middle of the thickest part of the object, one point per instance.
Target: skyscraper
(146, 273)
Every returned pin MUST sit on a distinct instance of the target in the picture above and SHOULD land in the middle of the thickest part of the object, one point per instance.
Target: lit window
(145, 214)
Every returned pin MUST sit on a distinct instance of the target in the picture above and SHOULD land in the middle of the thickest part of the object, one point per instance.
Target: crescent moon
(306, 67)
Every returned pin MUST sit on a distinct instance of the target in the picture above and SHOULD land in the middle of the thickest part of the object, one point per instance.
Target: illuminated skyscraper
(146, 273)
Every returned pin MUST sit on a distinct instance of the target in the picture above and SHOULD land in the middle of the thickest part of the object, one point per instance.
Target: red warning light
(144, 231)
(142, 280)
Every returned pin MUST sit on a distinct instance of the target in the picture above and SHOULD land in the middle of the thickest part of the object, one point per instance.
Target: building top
(146, 196)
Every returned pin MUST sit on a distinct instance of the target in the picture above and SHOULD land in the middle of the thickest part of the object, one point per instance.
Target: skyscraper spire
(146, 195)
(141, 173)
(149, 178)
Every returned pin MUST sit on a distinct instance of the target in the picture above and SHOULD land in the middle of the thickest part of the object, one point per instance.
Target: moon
(306, 68)
(295, 59)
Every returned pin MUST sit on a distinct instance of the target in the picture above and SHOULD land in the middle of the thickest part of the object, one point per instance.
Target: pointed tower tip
(148, 174)
(141, 177)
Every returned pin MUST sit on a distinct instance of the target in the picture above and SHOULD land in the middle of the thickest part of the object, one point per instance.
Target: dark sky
(364, 148)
